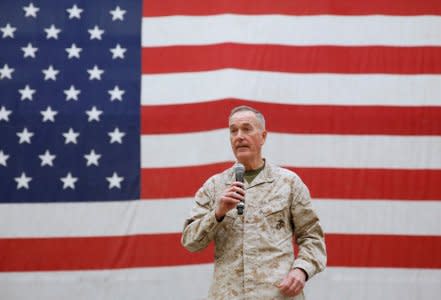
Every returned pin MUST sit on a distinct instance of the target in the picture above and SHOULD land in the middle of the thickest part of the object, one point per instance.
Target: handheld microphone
(239, 171)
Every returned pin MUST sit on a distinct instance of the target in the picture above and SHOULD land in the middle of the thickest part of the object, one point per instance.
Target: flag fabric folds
(113, 113)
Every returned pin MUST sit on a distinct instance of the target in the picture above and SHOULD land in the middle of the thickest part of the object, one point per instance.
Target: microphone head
(239, 171)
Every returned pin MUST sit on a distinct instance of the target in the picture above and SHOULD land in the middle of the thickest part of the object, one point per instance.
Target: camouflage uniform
(254, 252)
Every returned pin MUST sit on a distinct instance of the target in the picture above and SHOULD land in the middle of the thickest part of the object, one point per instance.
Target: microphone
(239, 171)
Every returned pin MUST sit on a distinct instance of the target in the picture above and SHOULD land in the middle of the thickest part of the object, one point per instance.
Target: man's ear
(263, 137)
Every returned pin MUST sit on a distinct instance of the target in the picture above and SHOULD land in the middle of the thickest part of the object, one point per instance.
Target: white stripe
(192, 282)
(334, 89)
(292, 30)
(167, 216)
(374, 283)
(300, 150)
(94, 218)
(379, 217)
(186, 282)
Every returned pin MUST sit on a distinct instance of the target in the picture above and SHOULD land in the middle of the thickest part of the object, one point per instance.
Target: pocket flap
(273, 208)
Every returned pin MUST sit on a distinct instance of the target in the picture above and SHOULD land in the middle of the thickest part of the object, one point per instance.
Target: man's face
(246, 136)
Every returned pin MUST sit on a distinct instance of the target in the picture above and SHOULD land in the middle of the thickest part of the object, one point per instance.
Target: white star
(25, 136)
(73, 51)
(4, 114)
(74, 12)
(52, 32)
(117, 14)
(92, 158)
(3, 158)
(116, 94)
(95, 73)
(118, 52)
(29, 51)
(47, 159)
(8, 31)
(72, 93)
(49, 114)
(26, 93)
(70, 136)
(114, 181)
(116, 136)
(96, 33)
(6, 72)
(31, 10)
(94, 114)
(69, 181)
(23, 181)
(50, 73)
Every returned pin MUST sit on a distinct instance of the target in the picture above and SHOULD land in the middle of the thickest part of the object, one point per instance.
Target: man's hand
(229, 199)
(293, 283)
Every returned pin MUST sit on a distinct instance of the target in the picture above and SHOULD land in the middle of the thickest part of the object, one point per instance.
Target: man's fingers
(230, 198)
(285, 285)
(237, 196)
(291, 286)
(292, 290)
(238, 190)
(298, 288)
(238, 183)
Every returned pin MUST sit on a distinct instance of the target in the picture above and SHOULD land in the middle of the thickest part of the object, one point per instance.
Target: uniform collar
(265, 176)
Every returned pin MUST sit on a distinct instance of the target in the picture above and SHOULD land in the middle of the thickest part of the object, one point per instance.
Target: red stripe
(372, 183)
(301, 59)
(383, 251)
(323, 182)
(306, 118)
(94, 253)
(184, 181)
(291, 7)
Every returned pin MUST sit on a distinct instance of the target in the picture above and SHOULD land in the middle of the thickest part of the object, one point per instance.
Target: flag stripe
(165, 250)
(92, 253)
(389, 184)
(307, 118)
(292, 30)
(335, 89)
(131, 283)
(383, 250)
(94, 219)
(134, 283)
(294, 7)
(379, 217)
(375, 283)
(159, 216)
(302, 59)
(319, 150)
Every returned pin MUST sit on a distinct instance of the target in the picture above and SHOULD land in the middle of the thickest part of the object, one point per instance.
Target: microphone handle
(241, 205)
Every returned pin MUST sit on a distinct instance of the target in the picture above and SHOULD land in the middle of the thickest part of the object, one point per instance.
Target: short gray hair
(259, 115)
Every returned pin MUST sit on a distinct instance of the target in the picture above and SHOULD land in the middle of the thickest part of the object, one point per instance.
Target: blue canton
(69, 100)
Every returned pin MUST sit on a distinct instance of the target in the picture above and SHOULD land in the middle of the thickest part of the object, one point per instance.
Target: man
(254, 257)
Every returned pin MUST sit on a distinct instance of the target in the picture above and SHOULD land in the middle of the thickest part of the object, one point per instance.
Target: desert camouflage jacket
(254, 252)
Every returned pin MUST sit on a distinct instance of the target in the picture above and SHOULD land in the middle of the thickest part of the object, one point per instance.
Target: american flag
(113, 113)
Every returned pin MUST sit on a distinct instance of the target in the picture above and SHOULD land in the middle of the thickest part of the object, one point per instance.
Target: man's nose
(240, 134)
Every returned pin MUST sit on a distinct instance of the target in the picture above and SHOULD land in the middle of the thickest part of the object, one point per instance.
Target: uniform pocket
(277, 223)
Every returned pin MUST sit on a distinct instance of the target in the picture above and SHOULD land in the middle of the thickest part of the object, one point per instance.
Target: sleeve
(309, 235)
(200, 227)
